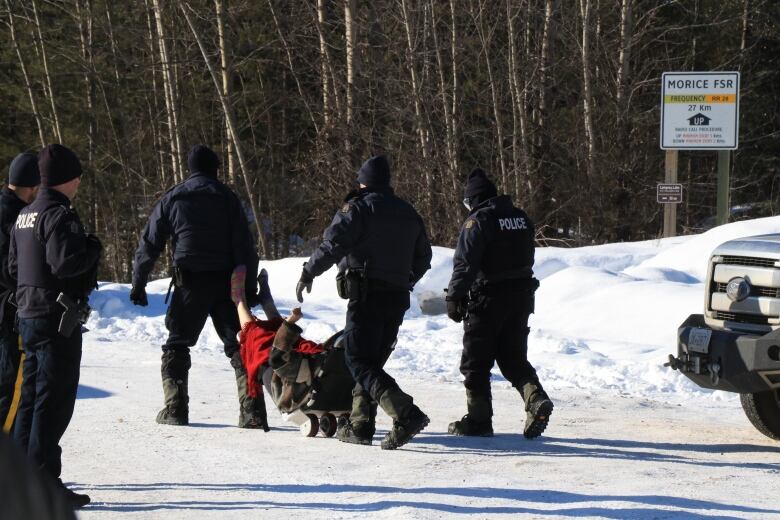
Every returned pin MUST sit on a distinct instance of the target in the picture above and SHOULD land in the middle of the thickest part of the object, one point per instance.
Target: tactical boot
(408, 419)
(478, 421)
(176, 411)
(252, 413)
(355, 432)
(538, 407)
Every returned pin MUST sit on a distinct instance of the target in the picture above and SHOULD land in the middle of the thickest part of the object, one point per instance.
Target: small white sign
(699, 110)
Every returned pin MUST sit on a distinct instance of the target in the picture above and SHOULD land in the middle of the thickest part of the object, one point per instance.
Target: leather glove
(138, 296)
(305, 282)
(455, 310)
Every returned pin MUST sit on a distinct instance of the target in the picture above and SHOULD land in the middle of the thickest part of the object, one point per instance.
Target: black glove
(455, 310)
(138, 296)
(305, 282)
(94, 241)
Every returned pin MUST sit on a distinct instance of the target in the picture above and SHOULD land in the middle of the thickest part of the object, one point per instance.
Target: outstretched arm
(238, 295)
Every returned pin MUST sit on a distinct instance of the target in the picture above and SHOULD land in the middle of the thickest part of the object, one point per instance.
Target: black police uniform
(49, 254)
(210, 237)
(492, 284)
(492, 268)
(10, 345)
(380, 245)
(383, 234)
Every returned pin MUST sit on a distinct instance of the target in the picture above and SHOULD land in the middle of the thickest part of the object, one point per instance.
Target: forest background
(557, 99)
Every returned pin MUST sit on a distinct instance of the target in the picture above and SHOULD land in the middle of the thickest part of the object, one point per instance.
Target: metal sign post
(724, 168)
(670, 208)
(700, 111)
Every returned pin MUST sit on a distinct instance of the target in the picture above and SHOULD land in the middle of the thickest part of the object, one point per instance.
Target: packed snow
(629, 438)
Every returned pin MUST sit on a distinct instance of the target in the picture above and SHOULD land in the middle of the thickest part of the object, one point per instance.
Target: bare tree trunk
(417, 106)
(587, 88)
(448, 123)
(350, 7)
(45, 59)
(745, 19)
(170, 102)
(223, 53)
(323, 62)
(23, 66)
(228, 110)
(86, 35)
(154, 107)
(111, 38)
(290, 64)
(455, 83)
(519, 143)
(485, 40)
(621, 198)
(624, 58)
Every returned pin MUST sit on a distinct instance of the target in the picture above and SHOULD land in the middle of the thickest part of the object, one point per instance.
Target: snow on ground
(629, 438)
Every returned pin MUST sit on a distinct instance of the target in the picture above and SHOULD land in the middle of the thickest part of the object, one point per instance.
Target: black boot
(175, 371)
(538, 407)
(176, 411)
(361, 425)
(478, 421)
(252, 413)
(408, 419)
(355, 433)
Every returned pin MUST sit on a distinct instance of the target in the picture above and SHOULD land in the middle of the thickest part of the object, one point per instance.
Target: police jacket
(207, 226)
(496, 244)
(50, 253)
(10, 206)
(377, 231)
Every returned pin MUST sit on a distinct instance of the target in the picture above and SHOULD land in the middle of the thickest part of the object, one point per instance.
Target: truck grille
(748, 260)
(768, 292)
(741, 318)
(761, 308)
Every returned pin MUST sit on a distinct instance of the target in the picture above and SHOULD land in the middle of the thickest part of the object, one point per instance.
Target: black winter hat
(23, 171)
(202, 159)
(478, 184)
(58, 165)
(375, 172)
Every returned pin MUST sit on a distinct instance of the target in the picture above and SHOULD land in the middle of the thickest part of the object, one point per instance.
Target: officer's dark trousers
(203, 295)
(51, 379)
(10, 356)
(370, 334)
(496, 331)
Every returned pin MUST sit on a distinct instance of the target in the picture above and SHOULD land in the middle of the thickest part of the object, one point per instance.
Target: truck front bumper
(729, 361)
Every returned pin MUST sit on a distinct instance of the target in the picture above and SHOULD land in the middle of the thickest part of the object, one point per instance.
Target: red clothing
(257, 338)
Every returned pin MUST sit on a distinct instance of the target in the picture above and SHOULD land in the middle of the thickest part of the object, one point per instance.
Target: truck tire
(763, 411)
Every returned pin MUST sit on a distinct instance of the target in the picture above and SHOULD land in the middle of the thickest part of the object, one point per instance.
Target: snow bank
(606, 316)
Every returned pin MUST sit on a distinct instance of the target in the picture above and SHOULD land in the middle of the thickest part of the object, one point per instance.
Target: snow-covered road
(628, 439)
(603, 456)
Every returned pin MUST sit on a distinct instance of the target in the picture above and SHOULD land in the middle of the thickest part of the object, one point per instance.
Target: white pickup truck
(735, 345)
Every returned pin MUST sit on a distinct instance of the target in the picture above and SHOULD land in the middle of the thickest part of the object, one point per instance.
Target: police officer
(210, 237)
(23, 182)
(380, 245)
(55, 264)
(492, 291)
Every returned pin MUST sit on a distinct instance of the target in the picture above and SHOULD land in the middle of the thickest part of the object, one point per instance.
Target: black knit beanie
(58, 165)
(202, 159)
(375, 172)
(478, 185)
(24, 172)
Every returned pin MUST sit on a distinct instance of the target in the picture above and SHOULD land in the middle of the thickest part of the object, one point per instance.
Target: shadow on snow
(649, 505)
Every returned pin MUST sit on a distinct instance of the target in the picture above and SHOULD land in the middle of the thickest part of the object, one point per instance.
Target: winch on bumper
(727, 360)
